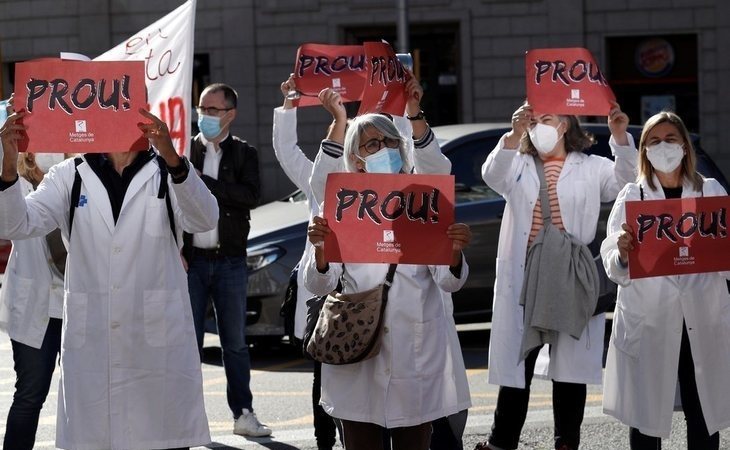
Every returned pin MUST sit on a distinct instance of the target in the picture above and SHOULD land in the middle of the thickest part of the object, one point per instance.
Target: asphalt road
(281, 383)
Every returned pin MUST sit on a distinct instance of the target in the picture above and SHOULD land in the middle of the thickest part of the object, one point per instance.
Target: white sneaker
(248, 425)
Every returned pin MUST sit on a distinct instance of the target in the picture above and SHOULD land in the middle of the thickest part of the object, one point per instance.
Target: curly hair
(576, 138)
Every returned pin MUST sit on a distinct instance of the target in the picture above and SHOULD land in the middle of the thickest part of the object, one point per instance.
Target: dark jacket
(236, 189)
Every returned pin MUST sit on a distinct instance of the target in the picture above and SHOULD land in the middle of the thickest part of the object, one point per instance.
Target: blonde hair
(689, 162)
(28, 169)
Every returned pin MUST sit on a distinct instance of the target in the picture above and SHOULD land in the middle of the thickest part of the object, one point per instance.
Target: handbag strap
(391, 274)
(544, 197)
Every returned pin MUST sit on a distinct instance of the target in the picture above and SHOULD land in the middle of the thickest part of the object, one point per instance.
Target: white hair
(385, 126)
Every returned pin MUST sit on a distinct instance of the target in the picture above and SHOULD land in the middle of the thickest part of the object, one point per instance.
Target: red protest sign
(385, 84)
(566, 81)
(81, 106)
(340, 67)
(389, 218)
(678, 236)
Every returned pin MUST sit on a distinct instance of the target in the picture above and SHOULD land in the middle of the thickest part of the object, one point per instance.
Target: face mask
(664, 156)
(387, 160)
(210, 126)
(45, 161)
(544, 138)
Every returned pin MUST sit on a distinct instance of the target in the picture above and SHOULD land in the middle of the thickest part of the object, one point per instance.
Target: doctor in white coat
(666, 328)
(582, 184)
(31, 307)
(417, 377)
(130, 369)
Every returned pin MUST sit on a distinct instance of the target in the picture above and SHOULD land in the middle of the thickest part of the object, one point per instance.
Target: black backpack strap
(162, 193)
(75, 194)
(641, 191)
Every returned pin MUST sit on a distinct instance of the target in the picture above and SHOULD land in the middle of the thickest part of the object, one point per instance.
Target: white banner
(166, 46)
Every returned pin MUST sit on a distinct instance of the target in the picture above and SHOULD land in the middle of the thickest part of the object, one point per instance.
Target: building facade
(469, 54)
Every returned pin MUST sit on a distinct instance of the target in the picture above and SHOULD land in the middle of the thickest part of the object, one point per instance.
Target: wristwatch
(419, 116)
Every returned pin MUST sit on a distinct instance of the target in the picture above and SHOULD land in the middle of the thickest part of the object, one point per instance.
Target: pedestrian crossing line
(214, 381)
(282, 393)
(475, 372)
(297, 421)
(261, 394)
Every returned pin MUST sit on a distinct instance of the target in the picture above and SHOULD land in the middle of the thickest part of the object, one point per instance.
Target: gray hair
(384, 126)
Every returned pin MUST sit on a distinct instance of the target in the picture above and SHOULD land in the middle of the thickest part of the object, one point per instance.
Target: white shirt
(211, 163)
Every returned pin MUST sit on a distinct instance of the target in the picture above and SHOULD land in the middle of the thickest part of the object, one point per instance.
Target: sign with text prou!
(166, 48)
(340, 67)
(389, 218)
(384, 90)
(81, 107)
(679, 236)
(566, 81)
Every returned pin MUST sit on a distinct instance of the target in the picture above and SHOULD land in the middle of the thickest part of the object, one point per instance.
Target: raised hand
(157, 133)
(618, 123)
(286, 87)
(522, 120)
(11, 132)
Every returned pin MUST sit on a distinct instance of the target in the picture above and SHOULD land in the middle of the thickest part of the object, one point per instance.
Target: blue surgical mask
(210, 126)
(387, 160)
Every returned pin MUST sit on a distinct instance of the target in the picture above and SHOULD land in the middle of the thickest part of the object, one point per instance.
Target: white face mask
(45, 161)
(665, 156)
(544, 138)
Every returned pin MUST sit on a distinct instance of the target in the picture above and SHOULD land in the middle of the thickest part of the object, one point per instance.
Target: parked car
(278, 229)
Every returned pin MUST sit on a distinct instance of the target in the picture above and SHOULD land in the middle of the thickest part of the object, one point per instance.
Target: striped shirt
(553, 167)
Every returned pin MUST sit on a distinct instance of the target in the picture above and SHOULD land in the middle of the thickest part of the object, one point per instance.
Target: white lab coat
(584, 183)
(298, 168)
(418, 375)
(311, 178)
(32, 292)
(643, 354)
(130, 368)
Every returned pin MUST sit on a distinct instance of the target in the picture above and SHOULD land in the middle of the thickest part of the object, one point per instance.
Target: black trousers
(325, 431)
(569, 401)
(698, 438)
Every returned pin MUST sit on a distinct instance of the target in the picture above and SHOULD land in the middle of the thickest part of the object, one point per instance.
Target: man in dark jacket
(217, 259)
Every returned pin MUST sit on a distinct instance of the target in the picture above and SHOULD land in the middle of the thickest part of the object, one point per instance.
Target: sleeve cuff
(427, 138)
(332, 148)
(5, 184)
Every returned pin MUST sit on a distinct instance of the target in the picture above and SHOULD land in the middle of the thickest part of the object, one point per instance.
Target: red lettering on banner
(172, 113)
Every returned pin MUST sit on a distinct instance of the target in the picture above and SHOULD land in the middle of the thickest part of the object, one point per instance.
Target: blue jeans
(223, 279)
(33, 370)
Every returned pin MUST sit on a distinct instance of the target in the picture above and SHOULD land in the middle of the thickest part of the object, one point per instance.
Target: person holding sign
(298, 167)
(577, 184)
(31, 308)
(666, 329)
(130, 370)
(401, 389)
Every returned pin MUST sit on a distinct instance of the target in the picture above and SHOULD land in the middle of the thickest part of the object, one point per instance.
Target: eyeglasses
(211, 110)
(373, 145)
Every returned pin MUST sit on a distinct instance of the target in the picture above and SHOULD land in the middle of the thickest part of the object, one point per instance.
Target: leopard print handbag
(349, 326)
